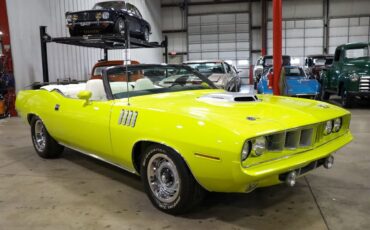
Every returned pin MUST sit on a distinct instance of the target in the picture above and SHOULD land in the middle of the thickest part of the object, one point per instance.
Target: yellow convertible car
(182, 135)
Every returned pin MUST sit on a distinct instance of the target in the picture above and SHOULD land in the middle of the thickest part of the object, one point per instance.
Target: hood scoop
(230, 97)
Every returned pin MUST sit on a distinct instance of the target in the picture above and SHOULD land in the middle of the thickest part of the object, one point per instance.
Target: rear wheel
(44, 144)
(168, 182)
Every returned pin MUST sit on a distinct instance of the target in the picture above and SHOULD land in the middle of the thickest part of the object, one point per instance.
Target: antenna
(127, 47)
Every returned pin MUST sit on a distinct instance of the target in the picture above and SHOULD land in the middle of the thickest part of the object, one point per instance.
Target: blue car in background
(296, 83)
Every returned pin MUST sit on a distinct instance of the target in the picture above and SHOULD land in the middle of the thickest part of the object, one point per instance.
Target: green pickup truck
(349, 76)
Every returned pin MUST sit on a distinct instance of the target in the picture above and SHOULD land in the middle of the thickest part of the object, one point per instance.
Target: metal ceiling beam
(181, 4)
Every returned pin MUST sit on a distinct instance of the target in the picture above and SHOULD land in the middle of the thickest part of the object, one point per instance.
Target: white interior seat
(96, 87)
(143, 84)
(118, 87)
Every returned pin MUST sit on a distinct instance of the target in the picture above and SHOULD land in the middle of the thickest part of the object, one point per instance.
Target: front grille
(364, 85)
(86, 16)
(291, 139)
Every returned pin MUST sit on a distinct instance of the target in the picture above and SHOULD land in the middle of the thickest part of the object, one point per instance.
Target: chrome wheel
(163, 178)
(40, 136)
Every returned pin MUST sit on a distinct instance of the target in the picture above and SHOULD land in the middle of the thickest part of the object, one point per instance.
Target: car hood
(269, 113)
(302, 86)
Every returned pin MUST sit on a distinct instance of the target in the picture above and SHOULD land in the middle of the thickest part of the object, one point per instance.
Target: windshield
(208, 67)
(147, 79)
(98, 70)
(357, 53)
(109, 5)
(294, 72)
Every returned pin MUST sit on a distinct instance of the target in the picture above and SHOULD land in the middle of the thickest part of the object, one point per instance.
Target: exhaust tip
(291, 178)
(329, 162)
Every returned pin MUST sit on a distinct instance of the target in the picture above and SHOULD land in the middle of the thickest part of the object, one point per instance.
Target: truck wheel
(346, 99)
(324, 95)
(168, 182)
(44, 144)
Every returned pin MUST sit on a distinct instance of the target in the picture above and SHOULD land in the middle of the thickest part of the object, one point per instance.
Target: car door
(83, 125)
(133, 18)
(335, 71)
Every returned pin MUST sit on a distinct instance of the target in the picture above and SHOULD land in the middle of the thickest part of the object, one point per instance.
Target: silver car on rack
(221, 73)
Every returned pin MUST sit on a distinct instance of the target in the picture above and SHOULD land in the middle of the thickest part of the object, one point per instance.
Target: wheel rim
(121, 26)
(163, 178)
(146, 34)
(39, 137)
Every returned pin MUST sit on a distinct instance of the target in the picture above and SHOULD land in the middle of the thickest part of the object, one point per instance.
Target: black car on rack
(108, 18)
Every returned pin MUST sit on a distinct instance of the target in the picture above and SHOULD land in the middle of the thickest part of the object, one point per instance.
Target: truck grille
(364, 85)
(291, 139)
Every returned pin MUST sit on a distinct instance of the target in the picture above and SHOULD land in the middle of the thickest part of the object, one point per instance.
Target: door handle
(56, 108)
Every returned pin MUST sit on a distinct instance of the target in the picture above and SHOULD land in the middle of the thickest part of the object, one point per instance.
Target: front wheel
(324, 95)
(44, 144)
(119, 26)
(168, 182)
(346, 99)
(146, 34)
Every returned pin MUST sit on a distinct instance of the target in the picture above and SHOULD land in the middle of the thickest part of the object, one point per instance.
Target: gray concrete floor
(77, 192)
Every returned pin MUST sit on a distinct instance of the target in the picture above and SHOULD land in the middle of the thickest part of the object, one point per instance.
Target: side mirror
(85, 95)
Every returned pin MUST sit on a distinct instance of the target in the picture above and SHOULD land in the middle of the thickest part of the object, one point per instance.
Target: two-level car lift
(104, 41)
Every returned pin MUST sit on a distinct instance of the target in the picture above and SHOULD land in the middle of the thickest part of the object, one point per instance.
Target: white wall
(65, 61)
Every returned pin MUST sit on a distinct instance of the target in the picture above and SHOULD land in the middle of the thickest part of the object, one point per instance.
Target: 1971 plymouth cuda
(181, 134)
(108, 18)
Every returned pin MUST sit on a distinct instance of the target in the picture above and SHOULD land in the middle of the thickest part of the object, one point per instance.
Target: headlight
(69, 18)
(337, 124)
(105, 15)
(328, 127)
(247, 148)
(354, 77)
(259, 146)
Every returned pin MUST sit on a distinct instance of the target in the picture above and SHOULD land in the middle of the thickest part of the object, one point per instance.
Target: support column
(277, 43)
(263, 27)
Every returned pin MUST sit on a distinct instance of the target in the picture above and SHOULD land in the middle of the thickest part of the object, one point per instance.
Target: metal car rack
(104, 41)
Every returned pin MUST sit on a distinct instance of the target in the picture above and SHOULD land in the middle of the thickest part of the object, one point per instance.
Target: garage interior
(79, 192)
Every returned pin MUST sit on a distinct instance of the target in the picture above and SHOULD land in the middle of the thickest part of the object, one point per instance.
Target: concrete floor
(77, 192)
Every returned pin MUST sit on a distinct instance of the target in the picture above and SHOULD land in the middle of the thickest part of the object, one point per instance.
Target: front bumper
(91, 27)
(267, 174)
(359, 93)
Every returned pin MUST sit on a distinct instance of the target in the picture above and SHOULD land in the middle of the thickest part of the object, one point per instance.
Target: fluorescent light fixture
(243, 62)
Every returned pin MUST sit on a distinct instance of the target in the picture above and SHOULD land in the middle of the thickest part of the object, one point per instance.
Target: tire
(44, 144)
(324, 96)
(73, 33)
(176, 191)
(346, 99)
(146, 34)
(119, 26)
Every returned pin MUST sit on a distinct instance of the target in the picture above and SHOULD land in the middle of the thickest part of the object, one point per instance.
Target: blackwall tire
(146, 34)
(119, 26)
(346, 99)
(44, 144)
(168, 182)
